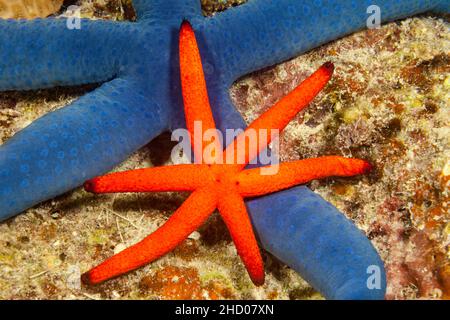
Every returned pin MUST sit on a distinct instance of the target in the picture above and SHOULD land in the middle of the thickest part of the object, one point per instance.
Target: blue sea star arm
(316, 240)
(300, 26)
(166, 9)
(59, 151)
(442, 8)
(30, 59)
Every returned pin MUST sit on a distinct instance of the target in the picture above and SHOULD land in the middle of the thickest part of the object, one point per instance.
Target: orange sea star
(215, 185)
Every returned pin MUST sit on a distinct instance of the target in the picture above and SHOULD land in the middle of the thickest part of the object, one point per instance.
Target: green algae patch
(98, 236)
(8, 258)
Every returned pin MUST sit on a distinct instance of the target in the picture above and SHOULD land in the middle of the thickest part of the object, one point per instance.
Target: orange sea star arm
(252, 183)
(279, 115)
(184, 177)
(233, 211)
(191, 215)
(195, 94)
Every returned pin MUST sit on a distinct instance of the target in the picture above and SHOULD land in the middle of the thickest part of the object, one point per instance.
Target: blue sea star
(141, 98)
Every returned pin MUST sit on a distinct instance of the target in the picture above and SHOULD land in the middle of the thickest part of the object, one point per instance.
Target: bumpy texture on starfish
(220, 186)
(141, 98)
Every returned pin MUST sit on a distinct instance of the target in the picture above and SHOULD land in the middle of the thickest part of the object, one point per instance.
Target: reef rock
(28, 9)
